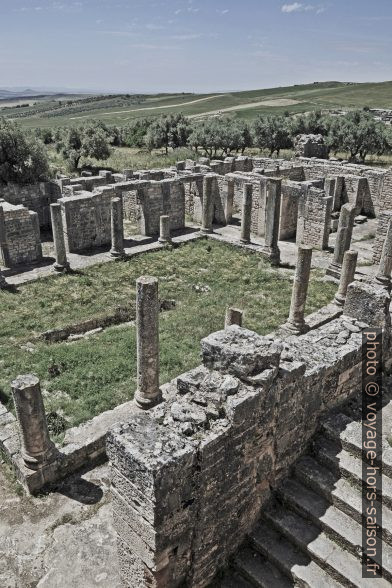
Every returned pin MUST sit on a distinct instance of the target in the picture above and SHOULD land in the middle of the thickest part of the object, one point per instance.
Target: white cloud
(222, 12)
(300, 7)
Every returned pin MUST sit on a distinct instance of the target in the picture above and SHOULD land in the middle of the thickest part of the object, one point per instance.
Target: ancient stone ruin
(199, 466)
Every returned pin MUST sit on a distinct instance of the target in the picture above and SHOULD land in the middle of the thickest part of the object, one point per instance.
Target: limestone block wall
(314, 218)
(259, 184)
(87, 219)
(191, 476)
(378, 194)
(35, 197)
(193, 197)
(22, 235)
(355, 190)
(89, 183)
(385, 202)
(158, 198)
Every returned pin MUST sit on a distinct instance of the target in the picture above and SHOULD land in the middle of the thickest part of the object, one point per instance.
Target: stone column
(164, 229)
(272, 219)
(37, 230)
(296, 322)
(347, 276)
(37, 449)
(233, 317)
(343, 239)
(385, 268)
(61, 264)
(117, 225)
(229, 201)
(208, 205)
(246, 214)
(147, 325)
(3, 239)
(128, 174)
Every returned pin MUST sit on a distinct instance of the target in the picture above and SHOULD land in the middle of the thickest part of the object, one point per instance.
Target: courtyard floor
(84, 377)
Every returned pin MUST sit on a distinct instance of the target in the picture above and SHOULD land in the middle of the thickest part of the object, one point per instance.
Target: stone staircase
(310, 534)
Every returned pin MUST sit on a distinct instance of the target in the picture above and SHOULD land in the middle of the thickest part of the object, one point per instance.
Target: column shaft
(246, 214)
(61, 262)
(147, 326)
(272, 218)
(164, 229)
(347, 276)
(385, 268)
(296, 322)
(36, 447)
(117, 227)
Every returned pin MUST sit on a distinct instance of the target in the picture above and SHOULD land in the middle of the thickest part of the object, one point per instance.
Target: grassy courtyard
(82, 378)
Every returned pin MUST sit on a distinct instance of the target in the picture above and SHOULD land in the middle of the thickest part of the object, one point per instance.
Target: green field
(85, 377)
(124, 108)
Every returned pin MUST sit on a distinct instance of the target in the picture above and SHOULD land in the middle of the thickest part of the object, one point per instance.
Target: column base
(383, 281)
(273, 255)
(339, 300)
(116, 253)
(245, 241)
(206, 231)
(163, 241)
(35, 463)
(61, 268)
(147, 403)
(295, 328)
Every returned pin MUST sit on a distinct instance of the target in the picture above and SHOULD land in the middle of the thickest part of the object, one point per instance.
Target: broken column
(296, 321)
(37, 449)
(208, 205)
(246, 214)
(233, 317)
(3, 281)
(147, 326)
(343, 240)
(164, 229)
(385, 268)
(347, 276)
(61, 264)
(272, 219)
(117, 225)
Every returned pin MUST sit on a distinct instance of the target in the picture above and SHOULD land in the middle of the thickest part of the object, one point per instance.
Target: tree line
(23, 157)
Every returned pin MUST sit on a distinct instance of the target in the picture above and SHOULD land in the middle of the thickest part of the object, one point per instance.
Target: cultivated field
(121, 109)
(82, 378)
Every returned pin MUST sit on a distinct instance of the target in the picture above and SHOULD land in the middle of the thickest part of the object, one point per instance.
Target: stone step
(341, 493)
(340, 527)
(260, 572)
(331, 557)
(348, 433)
(295, 564)
(341, 461)
(232, 579)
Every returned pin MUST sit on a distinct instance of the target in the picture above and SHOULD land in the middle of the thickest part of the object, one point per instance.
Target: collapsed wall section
(35, 197)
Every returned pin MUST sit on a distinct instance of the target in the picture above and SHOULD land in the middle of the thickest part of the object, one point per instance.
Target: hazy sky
(192, 45)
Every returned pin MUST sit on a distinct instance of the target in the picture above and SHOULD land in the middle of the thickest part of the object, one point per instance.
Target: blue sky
(192, 45)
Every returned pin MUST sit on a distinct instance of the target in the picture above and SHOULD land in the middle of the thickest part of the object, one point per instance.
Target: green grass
(116, 110)
(86, 377)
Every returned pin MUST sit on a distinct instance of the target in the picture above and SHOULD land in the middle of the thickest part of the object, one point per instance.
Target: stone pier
(229, 201)
(37, 449)
(296, 322)
(343, 240)
(347, 276)
(272, 219)
(164, 229)
(385, 268)
(147, 326)
(61, 264)
(4, 251)
(208, 205)
(246, 214)
(117, 227)
(233, 316)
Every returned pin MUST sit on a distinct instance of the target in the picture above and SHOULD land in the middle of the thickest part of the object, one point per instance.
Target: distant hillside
(121, 108)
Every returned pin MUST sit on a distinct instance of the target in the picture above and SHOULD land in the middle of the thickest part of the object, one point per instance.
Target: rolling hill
(53, 111)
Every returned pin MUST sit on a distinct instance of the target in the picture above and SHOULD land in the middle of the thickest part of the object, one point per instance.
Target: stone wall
(291, 194)
(22, 236)
(191, 476)
(314, 218)
(87, 219)
(382, 226)
(35, 197)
